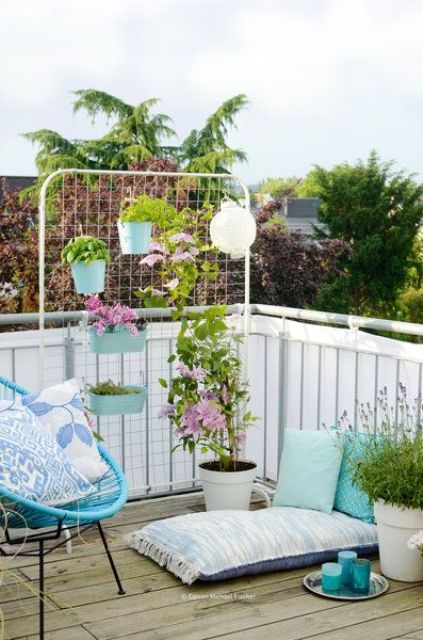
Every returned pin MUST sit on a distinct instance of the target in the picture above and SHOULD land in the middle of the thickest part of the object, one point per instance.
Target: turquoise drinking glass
(345, 559)
(331, 576)
(360, 575)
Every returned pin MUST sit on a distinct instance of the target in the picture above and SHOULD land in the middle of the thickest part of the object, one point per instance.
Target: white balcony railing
(305, 369)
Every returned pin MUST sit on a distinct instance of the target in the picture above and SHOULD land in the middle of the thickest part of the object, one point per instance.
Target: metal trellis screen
(80, 202)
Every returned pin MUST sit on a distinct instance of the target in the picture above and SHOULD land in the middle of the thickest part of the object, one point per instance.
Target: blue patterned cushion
(32, 464)
(349, 498)
(224, 544)
(60, 410)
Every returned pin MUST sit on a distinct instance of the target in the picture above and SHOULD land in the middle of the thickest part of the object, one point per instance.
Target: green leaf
(163, 383)
(202, 331)
(155, 302)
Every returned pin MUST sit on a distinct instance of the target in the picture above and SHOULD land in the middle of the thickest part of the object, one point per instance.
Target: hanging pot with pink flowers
(117, 329)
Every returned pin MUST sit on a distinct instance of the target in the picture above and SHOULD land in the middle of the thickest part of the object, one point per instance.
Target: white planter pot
(395, 527)
(227, 489)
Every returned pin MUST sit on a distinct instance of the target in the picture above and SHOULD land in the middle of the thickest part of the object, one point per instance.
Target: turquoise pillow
(350, 499)
(309, 469)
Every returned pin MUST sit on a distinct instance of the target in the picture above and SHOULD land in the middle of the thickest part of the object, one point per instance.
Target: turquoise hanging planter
(89, 278)
(134, 236)
(120, 404)
(118, 341)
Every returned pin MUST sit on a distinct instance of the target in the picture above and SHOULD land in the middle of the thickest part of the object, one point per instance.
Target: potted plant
(111, 399)
(390, 470)
(117, 329)
(136, 221)
(87, 257)
(207, 406)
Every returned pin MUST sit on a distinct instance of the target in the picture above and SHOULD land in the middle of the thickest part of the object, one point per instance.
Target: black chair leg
(41, 588)
(121, 592)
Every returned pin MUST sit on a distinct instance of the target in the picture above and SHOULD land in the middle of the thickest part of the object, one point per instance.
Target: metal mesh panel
(88, 203)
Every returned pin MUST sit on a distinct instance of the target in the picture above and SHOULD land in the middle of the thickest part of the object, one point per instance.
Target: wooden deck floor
(82, 603)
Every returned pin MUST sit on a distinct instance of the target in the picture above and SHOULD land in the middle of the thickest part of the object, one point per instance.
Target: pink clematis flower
(182, 256)
(207, 395)
(210, 415)
(181, 237)
(196, 373)
(167, 410)
(172, 284)
(158, 246)
(190, 424)
(152, 259)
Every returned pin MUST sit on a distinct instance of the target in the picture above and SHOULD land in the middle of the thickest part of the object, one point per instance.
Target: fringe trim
(165, 558)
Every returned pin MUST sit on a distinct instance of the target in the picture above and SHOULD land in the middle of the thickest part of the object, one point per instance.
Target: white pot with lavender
(390, 470)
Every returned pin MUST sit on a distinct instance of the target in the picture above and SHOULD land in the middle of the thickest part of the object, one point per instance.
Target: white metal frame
(42, 237)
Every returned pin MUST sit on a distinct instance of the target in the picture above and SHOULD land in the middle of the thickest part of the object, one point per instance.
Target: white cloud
(292, 61)
(327, 79)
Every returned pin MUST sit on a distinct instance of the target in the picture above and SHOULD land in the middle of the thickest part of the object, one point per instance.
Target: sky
(327, 80)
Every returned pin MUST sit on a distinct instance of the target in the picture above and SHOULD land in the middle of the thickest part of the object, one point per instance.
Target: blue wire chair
(111, 493)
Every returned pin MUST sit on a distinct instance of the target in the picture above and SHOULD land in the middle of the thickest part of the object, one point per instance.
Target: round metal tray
(378, 585)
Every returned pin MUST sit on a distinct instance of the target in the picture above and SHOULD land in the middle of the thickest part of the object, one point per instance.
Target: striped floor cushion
(225, 544)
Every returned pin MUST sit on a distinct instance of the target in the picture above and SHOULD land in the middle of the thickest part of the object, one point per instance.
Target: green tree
(138, 133)
(281, 187)
(377, 211)
(410, 305)
(206, 150)
(415, 274)
(308, 187)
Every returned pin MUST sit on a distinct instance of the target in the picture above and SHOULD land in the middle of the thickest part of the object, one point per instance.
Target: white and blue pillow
(32, 465)
(59, 409)
(224, 544)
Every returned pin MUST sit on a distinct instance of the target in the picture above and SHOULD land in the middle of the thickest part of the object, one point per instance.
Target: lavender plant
(389, 464)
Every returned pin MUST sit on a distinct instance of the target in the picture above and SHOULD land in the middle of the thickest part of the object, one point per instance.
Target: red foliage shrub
(18, 253)
(290, 268)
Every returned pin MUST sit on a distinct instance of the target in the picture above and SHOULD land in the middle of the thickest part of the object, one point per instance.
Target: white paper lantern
(233, 229)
